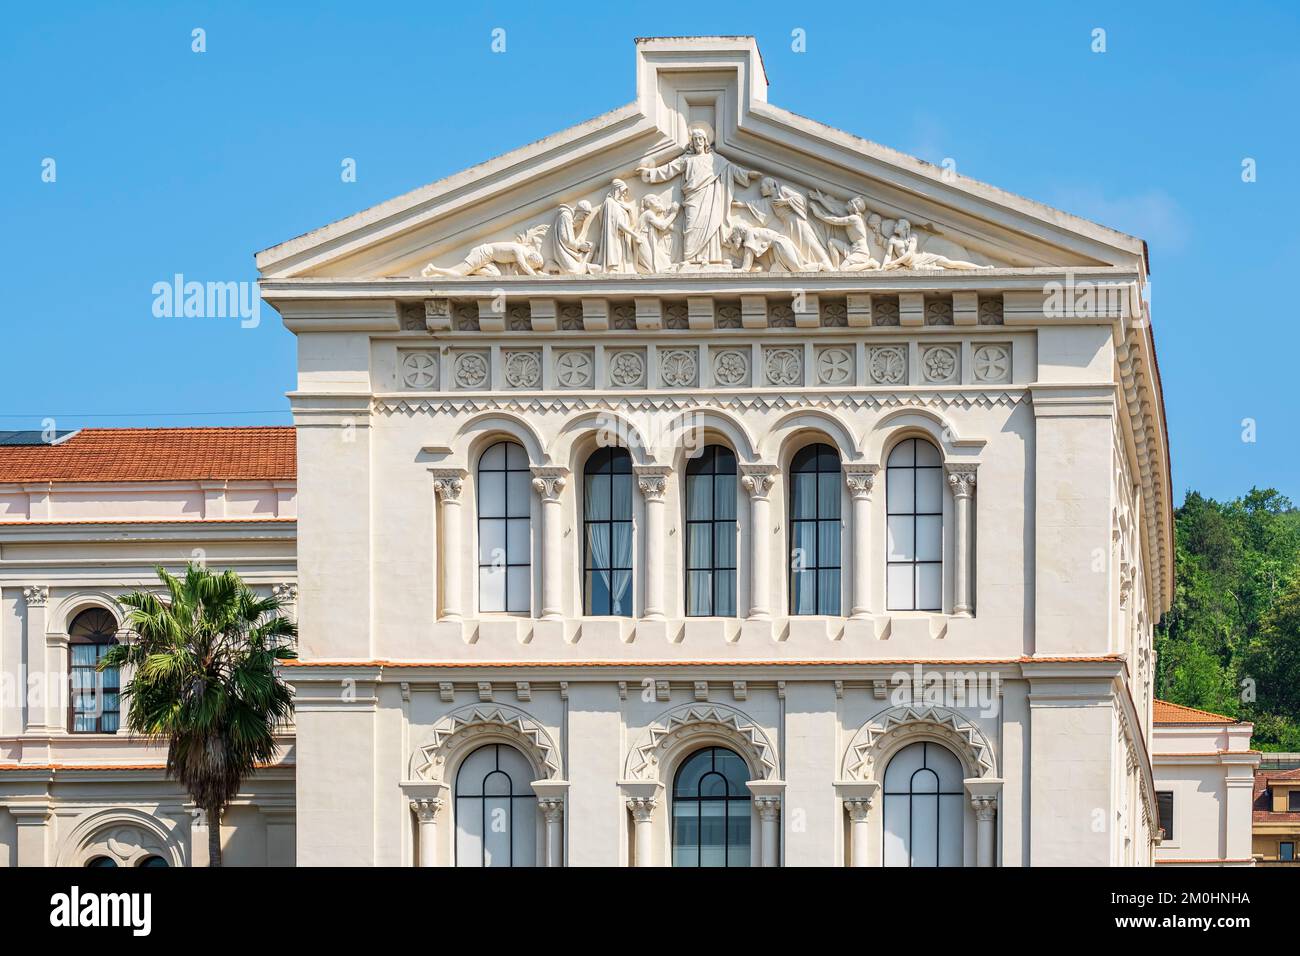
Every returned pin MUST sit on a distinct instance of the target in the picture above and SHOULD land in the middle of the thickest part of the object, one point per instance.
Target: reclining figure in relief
(525, 254)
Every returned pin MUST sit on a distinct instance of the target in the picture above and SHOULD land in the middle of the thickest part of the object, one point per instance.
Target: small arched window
(504, 542)
(607, 533)
(152, 863)
(815, 484)
(94, 704)
(101, 863)
(711, 533)
(914, 504)
(924, 806)
(496, 809)
(711, 810)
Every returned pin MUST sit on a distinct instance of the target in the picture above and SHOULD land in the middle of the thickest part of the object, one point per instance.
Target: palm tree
(205, 681)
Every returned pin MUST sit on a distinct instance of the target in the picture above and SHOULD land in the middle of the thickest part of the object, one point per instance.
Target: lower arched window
(152, 863)
(496, 809)
(94, 703)
(924, 807)
(101, 863)
(711, 810)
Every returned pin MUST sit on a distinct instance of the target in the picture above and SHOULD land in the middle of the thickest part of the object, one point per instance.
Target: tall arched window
(496, 809)
(504, 546)
(815, 483)
(94, 705)
(607, 533)
(711, 533)
(914, 504)
(924, 807)
(711, 810)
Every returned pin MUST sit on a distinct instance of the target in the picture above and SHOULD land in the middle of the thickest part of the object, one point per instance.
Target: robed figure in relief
(708, 190)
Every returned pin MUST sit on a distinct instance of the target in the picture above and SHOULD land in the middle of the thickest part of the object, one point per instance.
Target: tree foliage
(1231, 641)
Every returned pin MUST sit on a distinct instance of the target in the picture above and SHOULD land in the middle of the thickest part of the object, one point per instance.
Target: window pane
(621, 544)
(803, 552)
(929, 587)
(828, 544)
(803, 496)
(494, 457)
(518, 588)
(828, 591)
(828, 495)
(724, 497)
(713, 833)
(596, 498)
(598, 555)
(803, 592)
(496, 838)
(897, 811)
(929, 491)
(901, 543)
(699, 496)
(926, 454)
(900, 587)
(492, 541)
(699, 600)
(724, 552)
(621, 593)
(519, 497)
(469, 832)
(925, 830)
(724, 588)
(596, 590)
(902, 455)
(492, 589)
(898, 491)
(622, 491)
(517, 543)
(699, 553)
(686, 834)
(492, 494)
(929, 537)
(951, 809)
(516, 457)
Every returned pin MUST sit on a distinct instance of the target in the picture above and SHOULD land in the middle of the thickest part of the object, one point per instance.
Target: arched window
(94, 705)
(496, 809)
(924, 807)
(914, 504)
(152, 863)
(101, 863)
(607, 533)
(815, 483)
(711, 810)
(711, 533)
(504, 546)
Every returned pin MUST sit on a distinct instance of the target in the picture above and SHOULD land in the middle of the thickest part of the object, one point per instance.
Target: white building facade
(705, 486)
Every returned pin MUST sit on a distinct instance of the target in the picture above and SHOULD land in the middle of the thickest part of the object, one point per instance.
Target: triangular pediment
(632, 193)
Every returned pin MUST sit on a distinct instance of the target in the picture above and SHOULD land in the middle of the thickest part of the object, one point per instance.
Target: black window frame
(482, 796)
(618, 461)
(506, 471)
(914, 514)
(742, 796)
(706, 464)
(91, 628)
(815, 452)
(912, 793)
(1165, 812)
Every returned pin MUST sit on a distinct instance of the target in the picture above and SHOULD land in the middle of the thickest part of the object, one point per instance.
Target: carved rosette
(939, 364)
(783, 366)
(627, 369)
(961, 479)
(992, 363)
(678, 368)
(835, 366)
(471, 369)
(420, 369)
(573, 369)
(523, 369)
(888, 365)
(757, 480)
(860, 479)
(549, 482)
(731, 367)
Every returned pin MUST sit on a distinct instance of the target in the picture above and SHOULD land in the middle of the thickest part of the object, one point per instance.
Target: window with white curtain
(607, 533)
(95, 703)
(496, 809)
(815, 488)
(711, 533)
(914, 507)
(924, 806)
(504, 542)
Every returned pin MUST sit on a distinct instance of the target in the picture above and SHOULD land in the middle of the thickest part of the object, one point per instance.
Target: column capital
(652, 480)
(552, 808)
(858, 808)
(448, 482)
(860, 478)
(549, 481)
(961, 478)
(757, 479)
(37, 595)
(426, 808)
(985, 806)
(768, 806)
(642, 808)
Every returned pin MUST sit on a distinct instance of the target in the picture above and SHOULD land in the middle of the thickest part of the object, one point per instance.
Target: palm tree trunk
(214, 836)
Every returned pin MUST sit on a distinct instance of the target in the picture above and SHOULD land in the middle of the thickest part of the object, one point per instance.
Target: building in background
(1277, 810)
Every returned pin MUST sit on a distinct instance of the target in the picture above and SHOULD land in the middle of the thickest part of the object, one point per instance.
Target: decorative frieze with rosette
(730, 367)
(470, 369)
(574, 368)
(887, 365)
(419, 369)
(835, 366)
(522, 369)
(940, 364)
(679, 368)
(991, 363)
(782, 367)
(627, 368)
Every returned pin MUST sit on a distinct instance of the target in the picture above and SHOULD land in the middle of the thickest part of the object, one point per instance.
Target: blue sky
(170, 161)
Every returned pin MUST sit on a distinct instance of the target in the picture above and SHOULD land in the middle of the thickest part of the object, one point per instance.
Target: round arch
(73, 604)
(711, 424)
(683, 730)
(778, 442)
(485, 429)
(465, 729)
(123, 834)
(890, 730)
(581, 435)
(901, 423)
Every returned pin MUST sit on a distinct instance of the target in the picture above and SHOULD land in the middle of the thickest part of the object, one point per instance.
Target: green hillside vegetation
(1231, 641)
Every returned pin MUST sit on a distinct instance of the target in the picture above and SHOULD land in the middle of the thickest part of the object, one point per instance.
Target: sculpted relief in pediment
(715, 216)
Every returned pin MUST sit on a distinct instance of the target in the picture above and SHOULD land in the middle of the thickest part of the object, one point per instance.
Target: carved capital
(36, 595)
(549, 482)
(757, 480)
(985, 806)
(858, 808)
(652, 480)
(426, 808)
(860, 479)
(961, 479)
(642, 808)
(552, 808)
(448, 483)
(768, 806)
